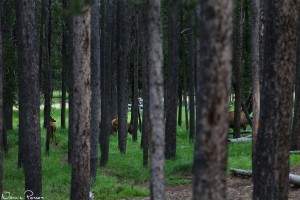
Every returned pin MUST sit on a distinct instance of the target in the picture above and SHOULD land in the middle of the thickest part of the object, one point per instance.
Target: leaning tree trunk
(30, 108)
(172, 82)
(80, 181)
(156, 116)
(238, 68)
(271, 163)
(213, 89)
(95, 87)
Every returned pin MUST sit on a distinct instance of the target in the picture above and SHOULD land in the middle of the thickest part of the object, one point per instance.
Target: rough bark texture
(295, 139)
(172, 82)
(156, 116)
(238, 68)
(213, 89)
(192, 85)
(80, 181)
(135, 102)
(271, 163)
(255, 62)
(1, 106)
(106, 100)
(30, 108)
(145, 120)
(95, 87)
(123, 94)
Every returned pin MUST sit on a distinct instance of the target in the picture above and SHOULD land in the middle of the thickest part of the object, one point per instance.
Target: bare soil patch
(238, 188)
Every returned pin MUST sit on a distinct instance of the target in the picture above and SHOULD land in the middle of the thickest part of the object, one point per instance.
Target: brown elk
(114, 126)
(52, 128)
(243, 120)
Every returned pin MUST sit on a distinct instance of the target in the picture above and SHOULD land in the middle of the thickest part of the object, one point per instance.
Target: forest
(149, 99)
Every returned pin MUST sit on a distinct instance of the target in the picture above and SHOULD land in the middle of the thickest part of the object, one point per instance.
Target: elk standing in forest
(114, 126)
(52, 128)
(243, 122)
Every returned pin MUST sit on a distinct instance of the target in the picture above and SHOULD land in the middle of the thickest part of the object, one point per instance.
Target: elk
(52, 128)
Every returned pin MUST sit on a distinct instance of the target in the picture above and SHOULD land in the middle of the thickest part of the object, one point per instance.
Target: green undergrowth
(123, 177)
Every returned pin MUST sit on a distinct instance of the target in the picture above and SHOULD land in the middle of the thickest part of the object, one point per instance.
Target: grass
(123, 177)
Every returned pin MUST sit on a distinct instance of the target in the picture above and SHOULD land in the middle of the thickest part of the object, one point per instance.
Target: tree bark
(172, 81)
(95, 88)
(213, 88)
(1, 106)
(156, 116)
(271, 162)
(192, 84)
(238, 68)
(80, 181)
(29, 91)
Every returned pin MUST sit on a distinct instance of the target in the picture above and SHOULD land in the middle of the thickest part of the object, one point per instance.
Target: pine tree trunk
(156, 116)
(1, 106)
(213, 88)
(271, 162)
(172, 82)
(95, 87)
(80, 181)
(192, 85)
(30, 108)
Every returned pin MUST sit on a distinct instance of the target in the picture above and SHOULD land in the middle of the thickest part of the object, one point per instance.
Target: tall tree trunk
(64, 69)
(172, 82)
(1, 105)
(271, 162)
(238, 68)
(213, 89)
(106, 74)
(135, 102)
(156, 116)
(80, 181)
(295, 139)
(145, 71)
(192, 85)
(255, 70)
(20, 84)
(8, 115)
(185, 101)
(95, 87)
(30, 108)
(179, 104)
(123, 49)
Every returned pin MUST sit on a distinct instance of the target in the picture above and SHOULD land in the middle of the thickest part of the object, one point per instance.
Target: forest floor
(238, 188)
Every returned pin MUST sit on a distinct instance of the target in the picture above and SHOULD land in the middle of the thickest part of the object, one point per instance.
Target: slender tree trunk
(80, 181)
(192, 85)
(255, 70)
(185, 101)
(238, 68)
(8, 115)
(213, 88)
(271, 162)
(156, 116)
(135, 103)
(95, 87)
(30, 108)
(179, 104)
(1, 105)
(123, 46)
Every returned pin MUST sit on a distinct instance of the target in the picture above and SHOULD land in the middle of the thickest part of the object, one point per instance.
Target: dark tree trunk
(156, 116)
(47, 79)
(123, 44)
(20, 84)
(179, 104)
(8, 115)
(271, 162)
(145, 117)
(213, 89)
(238, 68)
(185, 100)
(135, 95)
(80, 181)
(1, 106)
(172, 82)
(255, 70)
(64, 70)
(95, 87)
(106, 100)
(192, 85)
(114, 61)
(29, 91)
(295, 139)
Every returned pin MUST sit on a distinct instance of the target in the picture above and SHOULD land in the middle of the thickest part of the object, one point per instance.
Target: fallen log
(294, 152)
(242, 139)
(293, 178)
